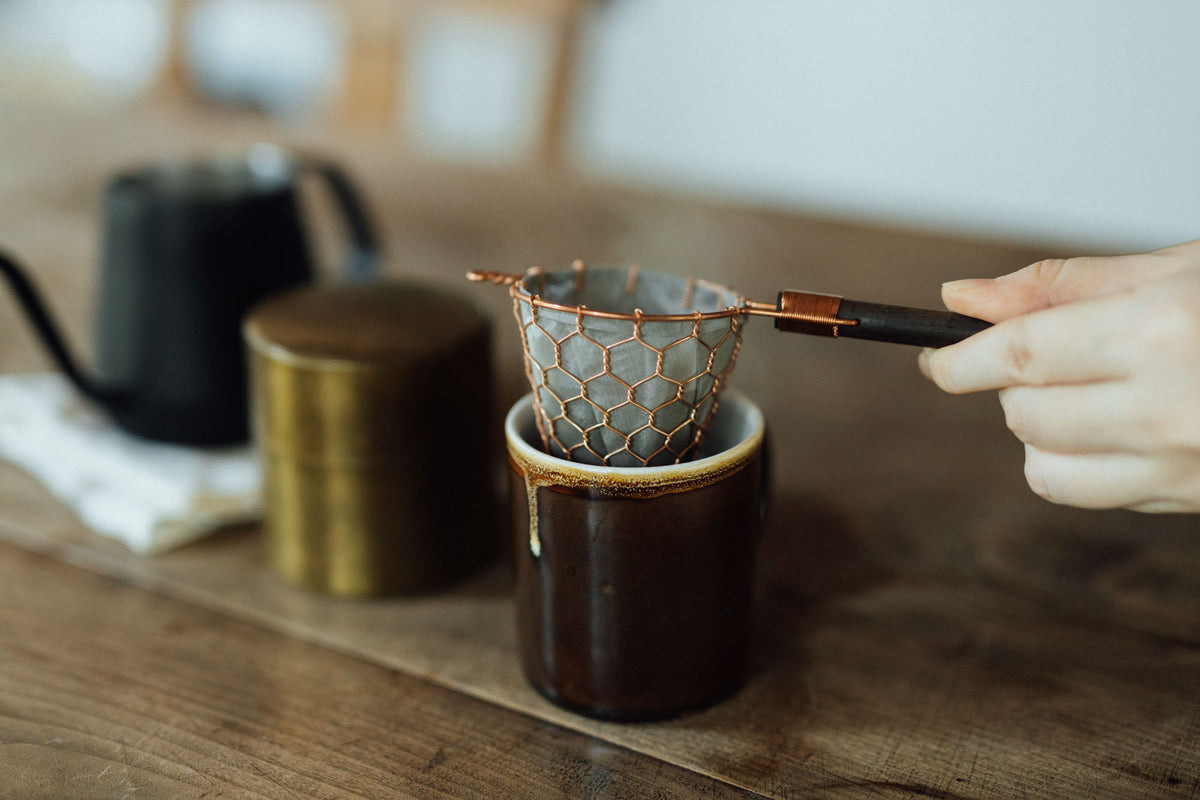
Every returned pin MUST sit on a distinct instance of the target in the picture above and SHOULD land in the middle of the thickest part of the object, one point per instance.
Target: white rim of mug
(715, 465)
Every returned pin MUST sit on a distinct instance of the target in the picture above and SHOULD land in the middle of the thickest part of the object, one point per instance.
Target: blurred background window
(83, 52)
(282, 56)
(1068, 121)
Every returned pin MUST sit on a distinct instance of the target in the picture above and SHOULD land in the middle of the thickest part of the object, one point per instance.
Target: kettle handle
(35, 310)
(363, 253)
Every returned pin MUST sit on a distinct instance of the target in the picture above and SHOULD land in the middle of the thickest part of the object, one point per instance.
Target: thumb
(1057, 281)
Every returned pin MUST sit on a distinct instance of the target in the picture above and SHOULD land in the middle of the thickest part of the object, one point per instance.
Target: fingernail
(966, 285)
(923, 362)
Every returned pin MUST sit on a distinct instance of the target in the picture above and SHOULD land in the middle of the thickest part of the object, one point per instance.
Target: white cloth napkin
(151, 496)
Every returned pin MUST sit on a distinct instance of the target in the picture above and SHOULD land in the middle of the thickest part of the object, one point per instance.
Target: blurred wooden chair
(372, 93)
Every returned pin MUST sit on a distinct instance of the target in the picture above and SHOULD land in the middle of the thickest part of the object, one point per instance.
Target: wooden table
(924, 627)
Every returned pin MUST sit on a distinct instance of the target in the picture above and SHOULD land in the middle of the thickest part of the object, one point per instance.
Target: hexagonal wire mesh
(626, 367)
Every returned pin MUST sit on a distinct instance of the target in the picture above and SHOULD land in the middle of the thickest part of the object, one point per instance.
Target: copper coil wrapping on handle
(810, 312)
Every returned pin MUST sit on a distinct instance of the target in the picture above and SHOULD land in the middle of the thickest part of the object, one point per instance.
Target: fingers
(1096, 362)
(1077, 419)
(1055, 282)
(1100, 480)
(1077, 343)
(1114, 480)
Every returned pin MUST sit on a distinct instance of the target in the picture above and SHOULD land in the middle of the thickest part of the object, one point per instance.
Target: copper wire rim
(536, 300)
(514, 284)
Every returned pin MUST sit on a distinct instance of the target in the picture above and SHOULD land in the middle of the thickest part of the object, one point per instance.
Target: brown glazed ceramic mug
(634, 584)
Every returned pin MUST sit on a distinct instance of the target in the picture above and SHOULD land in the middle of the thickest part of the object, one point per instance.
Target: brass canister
(373, 414)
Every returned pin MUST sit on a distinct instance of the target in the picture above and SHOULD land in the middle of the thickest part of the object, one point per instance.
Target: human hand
(1098, 365)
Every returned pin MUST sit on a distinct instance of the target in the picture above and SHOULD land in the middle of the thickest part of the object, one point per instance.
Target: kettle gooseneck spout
(31, 303)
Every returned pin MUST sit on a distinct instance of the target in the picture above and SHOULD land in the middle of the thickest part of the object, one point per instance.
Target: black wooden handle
(902, 325)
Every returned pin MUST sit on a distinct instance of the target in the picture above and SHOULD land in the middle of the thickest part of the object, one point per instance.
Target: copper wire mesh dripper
(635, 384)
(627, 366)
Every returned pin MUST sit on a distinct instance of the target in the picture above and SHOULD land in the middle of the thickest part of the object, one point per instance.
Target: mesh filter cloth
(626, 366)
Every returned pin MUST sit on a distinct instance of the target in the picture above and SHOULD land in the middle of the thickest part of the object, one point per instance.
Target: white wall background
(1074, 122)
(1070, 121)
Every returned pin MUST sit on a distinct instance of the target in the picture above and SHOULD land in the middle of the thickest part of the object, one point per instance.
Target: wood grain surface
(108, 691)
(924, 626)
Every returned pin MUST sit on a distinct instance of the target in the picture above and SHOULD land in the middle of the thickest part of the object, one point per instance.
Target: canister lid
(364, 322)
